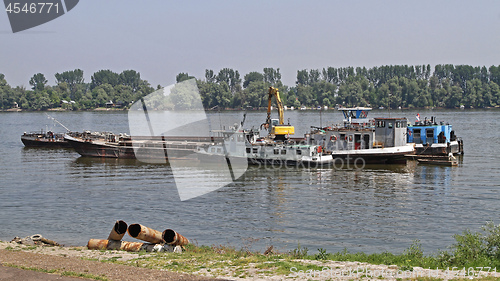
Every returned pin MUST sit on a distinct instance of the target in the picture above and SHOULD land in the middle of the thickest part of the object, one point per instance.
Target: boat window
(276, 151)
(299, 152)
(389, 125)
(430, 133)
(416, 135)
(255, 150)
(398, 124)
(283, 151)
(219, 150)
(381, 124)
(350, 138)
(342, 137)
(248, 150)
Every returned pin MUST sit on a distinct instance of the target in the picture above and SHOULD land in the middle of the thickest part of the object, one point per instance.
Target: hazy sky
(162, 38)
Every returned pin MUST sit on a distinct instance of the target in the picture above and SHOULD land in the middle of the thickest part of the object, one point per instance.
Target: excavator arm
(274, 92)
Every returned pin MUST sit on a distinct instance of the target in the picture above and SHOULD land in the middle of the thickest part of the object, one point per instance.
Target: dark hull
(44, 142)
(156, 155)
(90, 149)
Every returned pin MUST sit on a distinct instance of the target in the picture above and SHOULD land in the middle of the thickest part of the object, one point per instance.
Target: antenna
(55, 120)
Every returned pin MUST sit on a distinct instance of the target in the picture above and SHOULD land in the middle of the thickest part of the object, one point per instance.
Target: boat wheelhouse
(359, 139)
(431, 138)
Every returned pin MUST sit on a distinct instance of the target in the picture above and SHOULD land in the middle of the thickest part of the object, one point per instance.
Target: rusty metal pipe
(118, 231)
(101, 244)
(144, 233)
(173, 238)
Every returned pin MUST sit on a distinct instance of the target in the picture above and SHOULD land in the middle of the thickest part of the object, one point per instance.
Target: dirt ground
(69, 261)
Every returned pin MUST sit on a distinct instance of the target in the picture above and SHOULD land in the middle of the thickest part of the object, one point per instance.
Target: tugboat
(364, 141)
(431, 138)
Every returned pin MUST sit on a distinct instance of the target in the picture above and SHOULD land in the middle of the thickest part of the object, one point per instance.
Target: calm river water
(71, 199)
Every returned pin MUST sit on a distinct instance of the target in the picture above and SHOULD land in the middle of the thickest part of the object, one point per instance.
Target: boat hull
(444, 149)
(388, 155)
(91, 149)
(31, 141)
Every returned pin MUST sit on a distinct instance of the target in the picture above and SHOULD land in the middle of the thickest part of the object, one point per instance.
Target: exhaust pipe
(145, 233)
(118, 231)
(173, 238)
(101, 244)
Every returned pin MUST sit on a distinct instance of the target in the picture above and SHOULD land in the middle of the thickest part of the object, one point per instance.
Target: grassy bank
(472, 252)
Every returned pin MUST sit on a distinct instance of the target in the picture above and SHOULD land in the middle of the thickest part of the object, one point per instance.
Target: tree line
(447, 86)
(71, 91)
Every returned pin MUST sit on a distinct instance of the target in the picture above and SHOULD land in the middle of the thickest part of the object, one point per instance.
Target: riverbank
(208, 263)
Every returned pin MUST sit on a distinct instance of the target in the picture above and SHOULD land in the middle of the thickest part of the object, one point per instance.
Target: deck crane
(277, 127)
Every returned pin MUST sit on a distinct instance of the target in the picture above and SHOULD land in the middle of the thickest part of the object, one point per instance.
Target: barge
(47, 139)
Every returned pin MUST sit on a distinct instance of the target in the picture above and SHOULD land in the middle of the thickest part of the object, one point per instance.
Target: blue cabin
(429, 132)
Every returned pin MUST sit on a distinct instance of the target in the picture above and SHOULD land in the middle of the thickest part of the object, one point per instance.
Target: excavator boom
(281, 129)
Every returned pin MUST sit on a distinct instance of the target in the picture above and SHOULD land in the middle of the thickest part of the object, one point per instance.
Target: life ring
(319, 149)
(346, 138)
(333, 138)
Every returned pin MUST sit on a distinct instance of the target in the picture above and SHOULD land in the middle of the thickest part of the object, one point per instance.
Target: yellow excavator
(277, 127)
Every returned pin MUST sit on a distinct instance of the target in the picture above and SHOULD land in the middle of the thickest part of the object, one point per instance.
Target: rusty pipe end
(134, 230)
(120, 227)
(173, 238)
(118, 231)
(169, 236)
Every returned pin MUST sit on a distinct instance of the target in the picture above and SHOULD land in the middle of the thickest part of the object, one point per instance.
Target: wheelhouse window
(429, 133)
(249, 150)
(255, 150)
(299, 152)
(283, 151)
(381, 124)
(416, 135)
(276, 151)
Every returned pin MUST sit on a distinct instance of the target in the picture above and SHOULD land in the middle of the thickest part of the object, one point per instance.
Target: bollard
(118, 231)
(173, 238)
(145, 233)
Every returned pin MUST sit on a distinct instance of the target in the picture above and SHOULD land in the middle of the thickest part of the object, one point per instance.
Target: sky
(160, 39)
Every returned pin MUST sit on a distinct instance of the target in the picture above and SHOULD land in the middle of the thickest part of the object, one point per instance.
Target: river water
(71, 199)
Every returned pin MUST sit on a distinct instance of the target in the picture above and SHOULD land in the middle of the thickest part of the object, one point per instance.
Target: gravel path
(72, 264)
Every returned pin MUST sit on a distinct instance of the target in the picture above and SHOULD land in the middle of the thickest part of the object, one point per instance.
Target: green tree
(183, 77)
(38, 82)
(71, 78)
(104, 77)
(272, 76)
(131, 78)
(252, 77)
